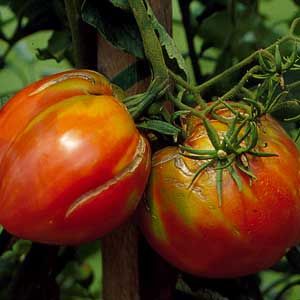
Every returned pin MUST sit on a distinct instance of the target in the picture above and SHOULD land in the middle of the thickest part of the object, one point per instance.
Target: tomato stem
(84, 50)
(152, 47)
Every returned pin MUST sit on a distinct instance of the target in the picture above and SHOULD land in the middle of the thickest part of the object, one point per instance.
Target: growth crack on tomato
(73, 164)
(137, 159)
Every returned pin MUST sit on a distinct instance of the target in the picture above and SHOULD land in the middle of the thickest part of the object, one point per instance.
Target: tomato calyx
(233, 133)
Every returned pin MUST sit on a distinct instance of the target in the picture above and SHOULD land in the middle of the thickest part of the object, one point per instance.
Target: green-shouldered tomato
(73, 164)
(252, 228)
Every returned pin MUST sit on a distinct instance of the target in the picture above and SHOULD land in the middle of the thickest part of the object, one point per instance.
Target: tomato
(249, 231)
(73, 165)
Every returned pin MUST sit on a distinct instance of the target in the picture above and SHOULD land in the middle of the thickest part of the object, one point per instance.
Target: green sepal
(265, 65)
(198, 157)
(245, 135)
(288, 111)
(279, 98)
(236, 177)
(245, 170)
(160, 126)
(278, 59)
(137, 104)
(201, 168)
(227, 164)
(262, 154)
(197, 151)
(212, 133)
(297, 136)
(290, 61)
(293, 119)
(177, 114)
(237, 131)
(255, 103)
(253, 137)
(219, 182)
(232, 126)
(227, 145)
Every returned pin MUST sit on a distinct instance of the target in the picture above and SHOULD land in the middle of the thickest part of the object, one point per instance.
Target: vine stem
(232, 92)
(294, 25)
(73, 9)
(248, 60)
(204, 86)
(186, 19)
(293, 85)
(188, 87)
(83, 37)
(152, 47)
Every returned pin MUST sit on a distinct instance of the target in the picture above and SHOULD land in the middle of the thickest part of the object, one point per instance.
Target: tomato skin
(249, 232)
(39, 95)
(77, 168)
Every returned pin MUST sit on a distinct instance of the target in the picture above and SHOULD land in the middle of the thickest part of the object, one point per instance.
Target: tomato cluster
(73, 165)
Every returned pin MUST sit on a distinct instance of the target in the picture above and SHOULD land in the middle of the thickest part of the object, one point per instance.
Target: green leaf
(39, 14)
(249, 34)
(132, 74)
(293, 257)
(4, 99)
(58, 44)
(123, 4)
(116, 25)
(91, 254)
(160, 126)
(286, 110)
(175, 60)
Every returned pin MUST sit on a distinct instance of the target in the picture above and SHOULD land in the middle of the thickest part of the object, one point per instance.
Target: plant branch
(185, 12)
(294, 25)
(83, 50)
(151, 43)
(251, 58)
(293, 85)
(233, 92)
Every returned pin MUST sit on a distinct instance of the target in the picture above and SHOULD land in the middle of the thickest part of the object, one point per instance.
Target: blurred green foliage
(35, 42)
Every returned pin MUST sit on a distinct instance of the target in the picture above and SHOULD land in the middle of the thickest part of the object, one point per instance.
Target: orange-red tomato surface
(73, 165)
(252, 228)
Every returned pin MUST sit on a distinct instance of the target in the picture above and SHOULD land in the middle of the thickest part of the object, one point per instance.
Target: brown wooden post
(122, 280)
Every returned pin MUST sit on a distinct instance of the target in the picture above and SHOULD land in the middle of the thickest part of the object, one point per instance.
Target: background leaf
(117, 26)
(58, 45)
(120, 3)
(174, 58)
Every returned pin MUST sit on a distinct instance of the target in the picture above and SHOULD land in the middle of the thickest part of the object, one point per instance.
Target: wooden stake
(123, 279)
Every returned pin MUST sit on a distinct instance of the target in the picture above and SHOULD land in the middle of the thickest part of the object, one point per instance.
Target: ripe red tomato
(73, 164)
(252, 228)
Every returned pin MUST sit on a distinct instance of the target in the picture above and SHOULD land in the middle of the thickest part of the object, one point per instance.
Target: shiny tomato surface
(252, 228)
(73, 165)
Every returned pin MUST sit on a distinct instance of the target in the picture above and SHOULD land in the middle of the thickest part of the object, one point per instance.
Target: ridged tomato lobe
(74, 172)
(36, 97)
